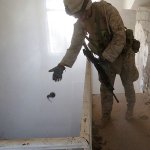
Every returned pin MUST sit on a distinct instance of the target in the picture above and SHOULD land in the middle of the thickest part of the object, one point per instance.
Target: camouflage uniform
(120, 63)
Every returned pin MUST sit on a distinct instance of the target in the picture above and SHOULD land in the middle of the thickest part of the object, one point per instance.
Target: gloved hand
(102, 60)
(57, 72)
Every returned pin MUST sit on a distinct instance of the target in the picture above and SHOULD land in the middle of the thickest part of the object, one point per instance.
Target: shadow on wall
(143, 57)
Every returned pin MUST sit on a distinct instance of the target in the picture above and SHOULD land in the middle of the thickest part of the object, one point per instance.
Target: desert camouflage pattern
(114, 48)
(120, 63)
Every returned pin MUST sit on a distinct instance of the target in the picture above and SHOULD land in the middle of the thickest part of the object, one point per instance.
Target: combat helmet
(75, 6)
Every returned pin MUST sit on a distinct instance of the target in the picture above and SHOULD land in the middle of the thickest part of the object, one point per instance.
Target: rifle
(104, 77)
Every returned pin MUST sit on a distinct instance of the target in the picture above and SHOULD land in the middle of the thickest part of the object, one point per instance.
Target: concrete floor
(120, 134)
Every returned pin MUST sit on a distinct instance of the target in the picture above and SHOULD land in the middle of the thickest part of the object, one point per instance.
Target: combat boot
(104, 121)
(129, 113)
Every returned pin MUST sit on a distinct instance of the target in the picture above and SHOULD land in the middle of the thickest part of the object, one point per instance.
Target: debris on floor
(121, 134)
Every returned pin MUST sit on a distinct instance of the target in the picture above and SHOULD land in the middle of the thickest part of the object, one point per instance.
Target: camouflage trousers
(107, 97)
(126, 68)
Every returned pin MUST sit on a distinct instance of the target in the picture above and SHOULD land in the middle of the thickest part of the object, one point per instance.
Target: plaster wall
(25, 58)
(128, 4)
(142, 33)
(117, 3)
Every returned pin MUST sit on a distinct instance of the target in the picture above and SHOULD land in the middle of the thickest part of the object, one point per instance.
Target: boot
(129, 113)
(104, 121)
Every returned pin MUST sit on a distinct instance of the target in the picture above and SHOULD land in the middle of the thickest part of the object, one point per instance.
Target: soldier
(102, 22)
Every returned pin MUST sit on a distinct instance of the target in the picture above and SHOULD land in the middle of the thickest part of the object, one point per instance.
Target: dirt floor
(120, 134)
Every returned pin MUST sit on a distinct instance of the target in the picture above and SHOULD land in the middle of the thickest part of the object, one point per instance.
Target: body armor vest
(99, 34)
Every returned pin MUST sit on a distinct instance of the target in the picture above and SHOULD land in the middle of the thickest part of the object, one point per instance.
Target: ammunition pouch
(136, 45)
(131, 42)
(104, 39)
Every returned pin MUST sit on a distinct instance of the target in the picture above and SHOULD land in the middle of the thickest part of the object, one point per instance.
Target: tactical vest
(102, 35)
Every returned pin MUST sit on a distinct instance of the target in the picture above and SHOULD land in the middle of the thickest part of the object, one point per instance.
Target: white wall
(142, 29)
(119, 4)
(128, 3)
(25, 82)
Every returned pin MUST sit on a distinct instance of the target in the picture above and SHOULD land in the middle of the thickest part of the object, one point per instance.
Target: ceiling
(129, 4)
(138, 3)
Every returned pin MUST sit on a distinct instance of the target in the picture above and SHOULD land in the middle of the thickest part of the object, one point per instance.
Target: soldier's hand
(57, 72)
(102, 60)
(105, 64)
